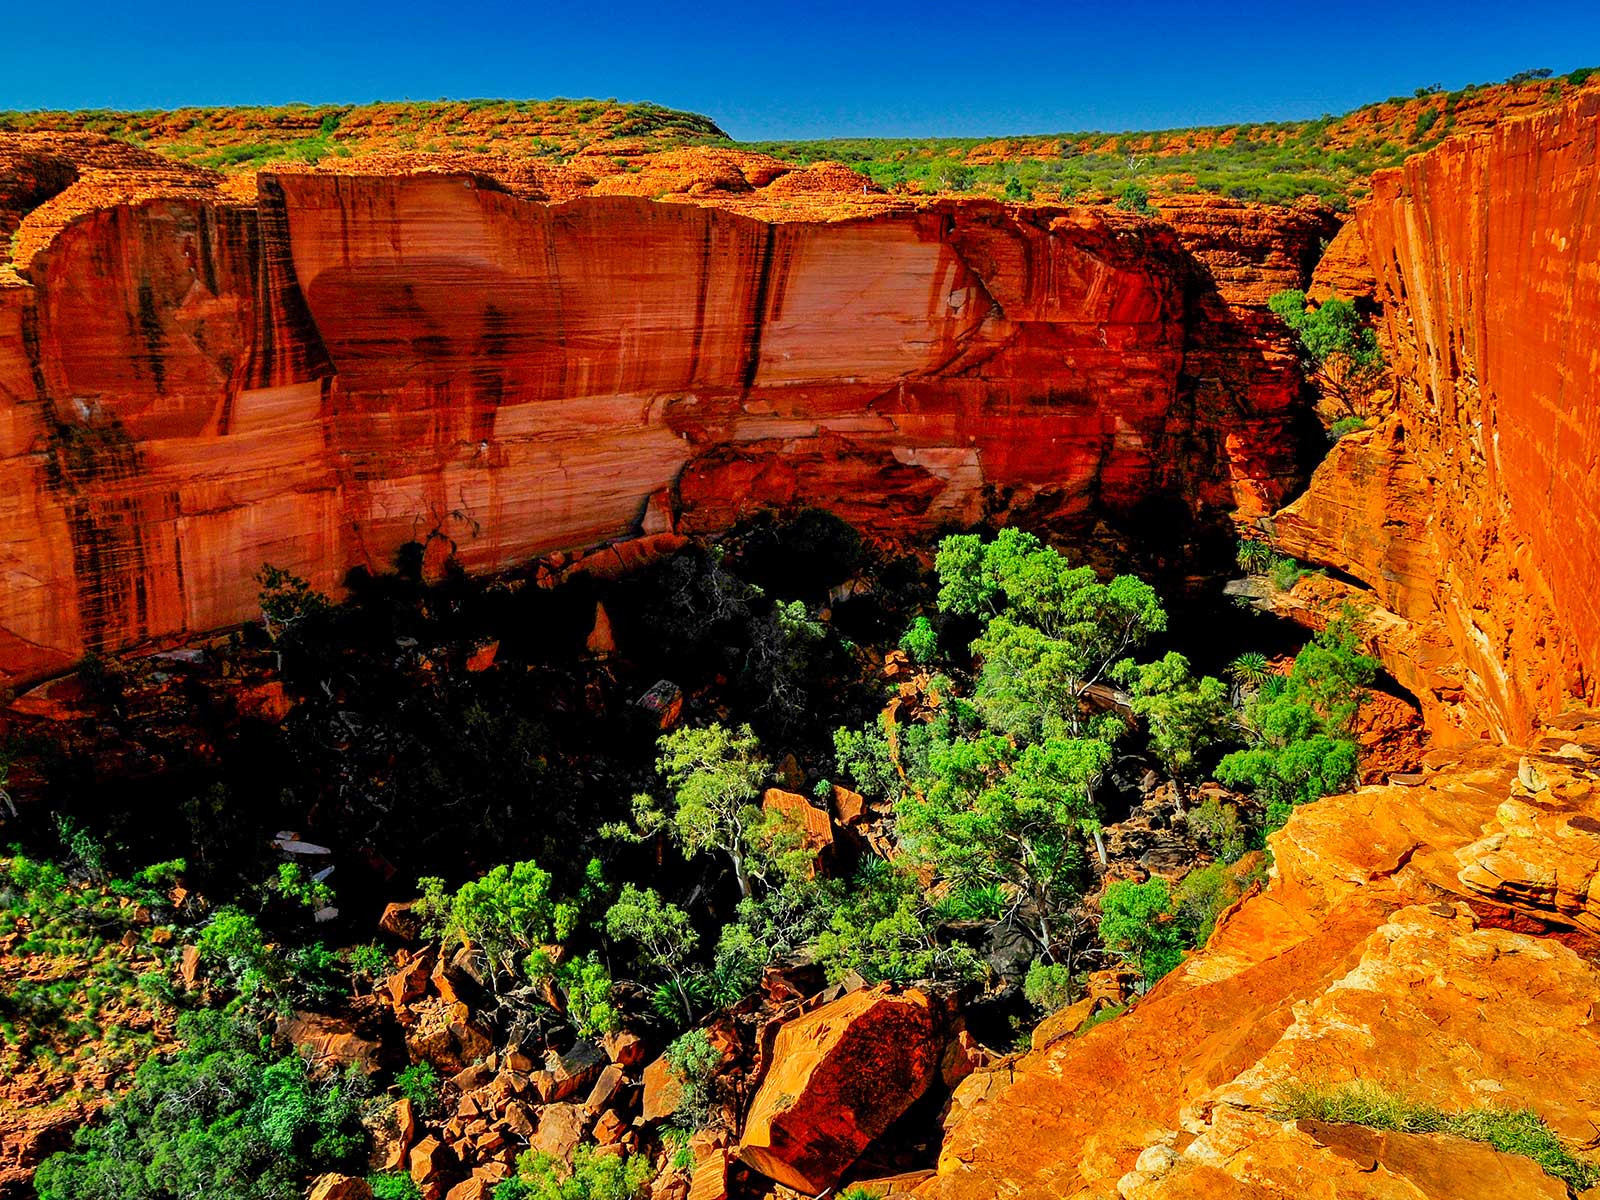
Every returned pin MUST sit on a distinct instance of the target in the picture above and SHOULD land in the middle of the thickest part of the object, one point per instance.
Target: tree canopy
(1339, 348)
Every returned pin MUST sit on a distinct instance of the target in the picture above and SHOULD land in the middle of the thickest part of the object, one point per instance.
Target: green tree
(1183, 715)
(509, 913)
(693, 1061)
(863, 757)
(1203, 894)
(1137, 923)
(1053, 630)
(268, 977)
(591, 996)
(716, 776)
(1339, 349)
(1299, 727)
(1217, 826)
(290, 608)
(781, 660)
(920, 641)
(881, 929)
(665, 938)
(991, 815)
(1049, 986)
(295, 884)
(419, 1083)
(1135, 197)
(782, 922)
(219, 1118)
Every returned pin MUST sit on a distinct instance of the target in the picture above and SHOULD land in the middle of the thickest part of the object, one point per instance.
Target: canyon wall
(1472, 517)
(196, 379)
(1437, 937)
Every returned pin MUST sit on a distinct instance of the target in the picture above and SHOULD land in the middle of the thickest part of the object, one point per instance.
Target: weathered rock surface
(1435, 940)
(839, 1077)
(340, 1187)
(1473, 516)
(198, 376)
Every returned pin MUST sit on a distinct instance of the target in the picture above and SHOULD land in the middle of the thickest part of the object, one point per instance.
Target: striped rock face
(199, 376)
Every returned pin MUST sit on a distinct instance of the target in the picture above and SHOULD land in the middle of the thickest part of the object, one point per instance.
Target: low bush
(393, 1185)
(592, 1176)
(1048, 986)
(693, 1061)
(420, 1083)
(1137, 922)
(920, 641)
(222, 1117)
(1299, 726)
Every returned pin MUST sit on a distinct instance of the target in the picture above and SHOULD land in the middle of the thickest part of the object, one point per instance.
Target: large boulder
(840, 1076)
(340, 1187)
(330, 1040)
(813, 826)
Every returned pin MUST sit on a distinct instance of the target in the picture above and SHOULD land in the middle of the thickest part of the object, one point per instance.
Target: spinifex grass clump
(1509, 1130)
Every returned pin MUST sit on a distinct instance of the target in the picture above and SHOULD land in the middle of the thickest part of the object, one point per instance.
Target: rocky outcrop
(1432, 940)
(1474, 516)
(839, 1077)
(197, 377)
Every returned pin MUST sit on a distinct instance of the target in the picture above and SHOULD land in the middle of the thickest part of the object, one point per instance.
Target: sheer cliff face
(1436, 939)
(192, 386)
(1474, 516)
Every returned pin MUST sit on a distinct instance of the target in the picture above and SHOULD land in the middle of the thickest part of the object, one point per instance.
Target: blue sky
(798, 70)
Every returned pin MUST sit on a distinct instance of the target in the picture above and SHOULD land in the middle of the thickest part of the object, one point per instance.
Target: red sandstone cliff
(1473, 516)
(1436, 940)
(195, 379)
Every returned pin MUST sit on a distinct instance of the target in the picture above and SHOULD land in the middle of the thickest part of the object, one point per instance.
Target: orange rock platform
(1436, 941)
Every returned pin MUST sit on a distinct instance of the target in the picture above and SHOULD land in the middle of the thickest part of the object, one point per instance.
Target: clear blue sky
(800, 70)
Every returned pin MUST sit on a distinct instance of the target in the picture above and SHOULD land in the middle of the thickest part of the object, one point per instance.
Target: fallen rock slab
(840, 1077)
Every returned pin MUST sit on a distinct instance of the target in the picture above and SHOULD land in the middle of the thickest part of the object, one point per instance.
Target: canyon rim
(582, 613)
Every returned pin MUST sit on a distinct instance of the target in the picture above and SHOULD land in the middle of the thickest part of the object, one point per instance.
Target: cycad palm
(1249, 669)
(1255, 558)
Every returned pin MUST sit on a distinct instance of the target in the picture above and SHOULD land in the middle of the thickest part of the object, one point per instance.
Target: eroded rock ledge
(1437, 940)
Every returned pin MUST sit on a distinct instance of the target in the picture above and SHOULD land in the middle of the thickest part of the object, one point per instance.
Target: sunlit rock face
(1474, 515)
(1432, 940)
(195, 380)
(1437, 939)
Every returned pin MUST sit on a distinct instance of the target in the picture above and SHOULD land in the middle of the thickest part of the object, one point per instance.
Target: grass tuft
(1509, 1130)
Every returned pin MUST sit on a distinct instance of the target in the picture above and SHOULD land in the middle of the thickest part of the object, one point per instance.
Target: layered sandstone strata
(1473, 516)
(196, 378)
